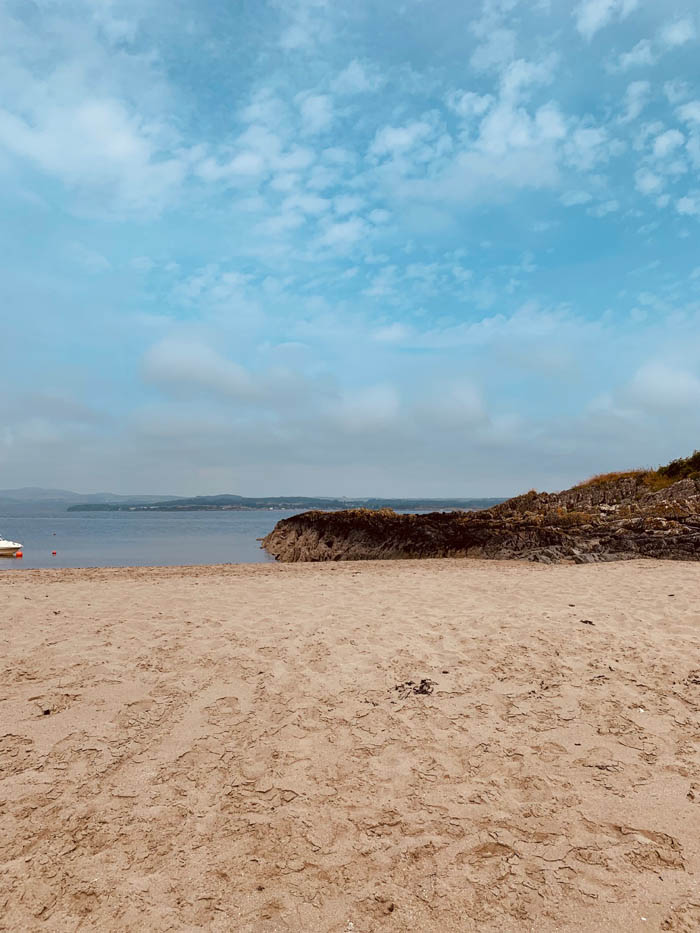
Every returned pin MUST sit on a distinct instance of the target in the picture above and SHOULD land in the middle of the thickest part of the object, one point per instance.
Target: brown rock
(608, 518)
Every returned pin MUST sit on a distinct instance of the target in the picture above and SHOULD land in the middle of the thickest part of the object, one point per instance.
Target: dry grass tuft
(601, 478)
(657, 479)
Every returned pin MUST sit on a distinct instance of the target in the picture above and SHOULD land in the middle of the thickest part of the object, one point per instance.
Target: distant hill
(36, 500)
(242, 503)
(36, 494)
(40, 494)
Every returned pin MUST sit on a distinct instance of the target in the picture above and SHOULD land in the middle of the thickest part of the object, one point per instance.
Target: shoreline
(254, 566)
(362, 562)
(361, 745)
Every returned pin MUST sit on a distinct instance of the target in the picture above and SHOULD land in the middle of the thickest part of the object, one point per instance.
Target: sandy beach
(441, 745)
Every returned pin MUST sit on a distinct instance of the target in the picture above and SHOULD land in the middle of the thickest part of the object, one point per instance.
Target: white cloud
(370, 408)
(636, 99)
(265, 108)
(294, 159)
(98, 147)
(647, 182)
(385, 284)
(658, 386)
(506, 129)
(309, 25)
(210, 285)
(344, 234)
(666, 143)
(306, 203)
(142, 263)
(678, 32)
(279, 224)
(647, 52)
(593, 15)
(259, 152)
(244, 165)
(357, 78)
(690, 112)
(587, 146)
(295, 37)
(693, 149)
(605, 208)
(88, 258)
(347, 204)
(392, 333)
(497, 49)
(573, 198)
(550, 122)
(456, 405)
(529, 324)
(521, 75)
(395, 140)
(642, 54)
(676, 91)
(336, 155)
(322, 177)
(515, 146)
(184, 366)
(316, 112)
(467, 104)
(285, 181)
(261, 140)
(503, 165)
(689, 205)
(379, 215)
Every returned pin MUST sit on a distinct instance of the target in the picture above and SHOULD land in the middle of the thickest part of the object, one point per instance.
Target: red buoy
(19, 554)
(54, 553)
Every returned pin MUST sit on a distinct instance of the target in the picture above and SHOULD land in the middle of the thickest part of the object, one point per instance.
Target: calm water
(129, 539)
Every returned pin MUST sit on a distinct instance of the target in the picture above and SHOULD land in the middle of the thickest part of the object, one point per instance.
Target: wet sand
(414, 745)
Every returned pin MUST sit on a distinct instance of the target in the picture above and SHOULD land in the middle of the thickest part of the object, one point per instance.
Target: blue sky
(351, 249)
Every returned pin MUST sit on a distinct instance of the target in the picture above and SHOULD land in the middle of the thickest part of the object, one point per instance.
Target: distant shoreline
(240, 504)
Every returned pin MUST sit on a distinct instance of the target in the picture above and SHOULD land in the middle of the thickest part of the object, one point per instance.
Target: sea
(136, 539)
(53, 537)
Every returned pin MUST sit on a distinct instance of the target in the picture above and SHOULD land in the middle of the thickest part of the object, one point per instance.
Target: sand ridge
(226, 748)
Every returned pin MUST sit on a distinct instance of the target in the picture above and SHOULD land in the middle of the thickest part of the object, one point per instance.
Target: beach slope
(448, 745)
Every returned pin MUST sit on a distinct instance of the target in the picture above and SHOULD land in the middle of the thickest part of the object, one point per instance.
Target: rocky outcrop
(606, 519)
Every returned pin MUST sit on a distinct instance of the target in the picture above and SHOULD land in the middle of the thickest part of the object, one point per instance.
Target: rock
(605, 519)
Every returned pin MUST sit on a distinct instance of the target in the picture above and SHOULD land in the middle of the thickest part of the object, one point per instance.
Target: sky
(327, 248)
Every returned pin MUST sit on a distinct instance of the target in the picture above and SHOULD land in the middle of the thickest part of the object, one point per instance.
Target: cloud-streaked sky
(317, 247)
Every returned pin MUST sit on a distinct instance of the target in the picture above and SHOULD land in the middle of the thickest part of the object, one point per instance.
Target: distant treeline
(240, 503)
